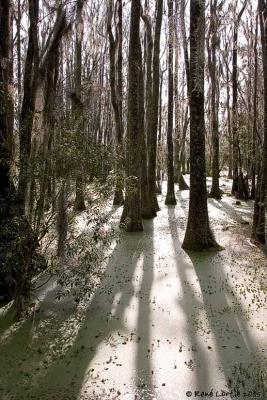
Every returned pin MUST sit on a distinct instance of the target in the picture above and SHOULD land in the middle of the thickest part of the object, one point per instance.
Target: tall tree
(115, 60)
(131, 215)
(258, 227)
(153, 109)
(4, 95)
(198, 234)
(212, 46)
(79, 204)
(238, 187)
(145, 93)
(255, 115)
(170, 198)
(181, 158)
(18, 257)
(28, 103)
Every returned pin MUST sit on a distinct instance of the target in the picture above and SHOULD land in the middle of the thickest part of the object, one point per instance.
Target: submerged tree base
(215, 194)
(182, 183)
(197, 242)
(158, 188)
(240, 188)
(133, 226)
(155, 204)
(170, 199)
(148, 213)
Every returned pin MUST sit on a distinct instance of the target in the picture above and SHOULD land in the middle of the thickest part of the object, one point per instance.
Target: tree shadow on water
(102, 329)
(196, 360)
(144, 384)
(226, 326)
(239, 358)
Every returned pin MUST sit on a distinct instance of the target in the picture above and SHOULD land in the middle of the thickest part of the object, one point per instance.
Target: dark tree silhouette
(198, 234)
(131, 215)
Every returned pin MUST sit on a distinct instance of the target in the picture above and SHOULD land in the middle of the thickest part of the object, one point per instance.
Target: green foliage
(78, 272)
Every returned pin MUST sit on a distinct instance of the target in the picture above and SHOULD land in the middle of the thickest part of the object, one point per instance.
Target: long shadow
(25, 345)
(235, 214)
(183, 202)
(66, 374)
(237, 351)
(144, 385)
(197, 361)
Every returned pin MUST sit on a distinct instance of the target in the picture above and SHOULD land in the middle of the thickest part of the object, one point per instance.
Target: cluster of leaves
(81, 268)
(19, 257)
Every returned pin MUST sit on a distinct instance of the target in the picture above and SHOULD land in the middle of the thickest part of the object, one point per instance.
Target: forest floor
(163, 324)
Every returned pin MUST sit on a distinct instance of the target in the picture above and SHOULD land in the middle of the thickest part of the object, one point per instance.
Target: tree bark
(28, 103)
(255, 114)
(79, 204)
(131, 216)
(198, 234)
(147, 211)
(259, 223)
(115, 46)
(18, 257)
(212, 64)
(153, 111)
(170, 198)
(238, 182)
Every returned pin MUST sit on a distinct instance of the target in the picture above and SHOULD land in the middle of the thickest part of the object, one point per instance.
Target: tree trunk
(237, 175)
(131, 216)
(28, 103)
(170, 198)
(116, 94)
(198, 235)
(255, 111)
(146, 208)
(159, 145)
(258, 227)
(79, 204)
(212, 64)
(229, 130)
(181, 167)
(4, 95)
(153, 111)
(18, 257)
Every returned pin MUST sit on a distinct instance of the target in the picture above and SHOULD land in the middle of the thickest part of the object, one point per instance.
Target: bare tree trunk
(62, 220)
(159, 145)
(170, 198)
(198, 235)
(238, 180)
(153, 111)
(258, 227)
(181, 168)
(28, 103)
(146, 209)
(212, 64)
(18, 22)
(116, 94)
(255, 114)
(20, 260)
(48, 126)
(229, 130)
(131, 216)
(10, 99)
(4, 94)
(79, 204)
